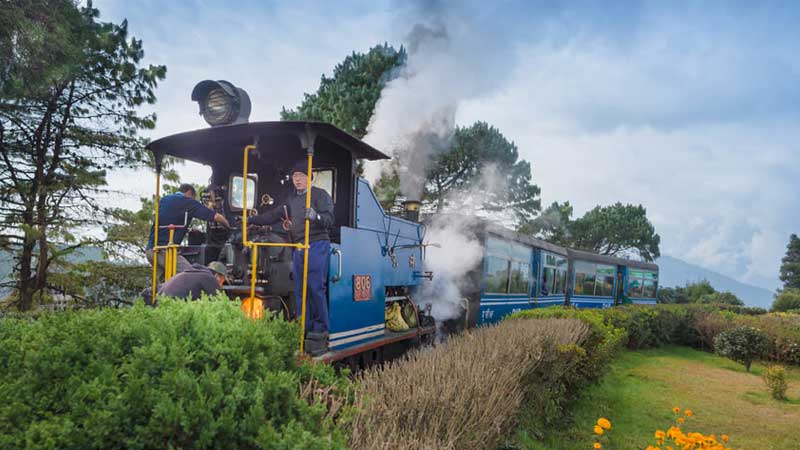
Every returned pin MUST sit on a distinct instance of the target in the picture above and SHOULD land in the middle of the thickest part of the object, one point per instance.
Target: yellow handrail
(155, 237)
(254, 245)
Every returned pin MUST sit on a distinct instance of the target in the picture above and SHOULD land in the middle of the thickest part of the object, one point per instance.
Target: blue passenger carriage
(599, 281)
(516, 272)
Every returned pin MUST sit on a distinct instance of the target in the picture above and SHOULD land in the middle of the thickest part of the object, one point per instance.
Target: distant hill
(675, 272)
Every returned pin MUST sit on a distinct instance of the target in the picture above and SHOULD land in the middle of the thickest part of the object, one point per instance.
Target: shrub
(775, 379)
(710, 325)
(183, 375)
(464, 394)
(741, 344)
(787, 300)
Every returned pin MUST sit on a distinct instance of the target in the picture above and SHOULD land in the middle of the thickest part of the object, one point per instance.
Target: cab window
(324, 179)
(236, 190)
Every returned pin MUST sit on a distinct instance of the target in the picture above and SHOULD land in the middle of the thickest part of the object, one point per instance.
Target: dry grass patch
(464, 394)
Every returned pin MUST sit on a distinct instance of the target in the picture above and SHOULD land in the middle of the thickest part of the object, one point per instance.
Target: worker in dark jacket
(320, 216)
(179, 209)
(195, 281)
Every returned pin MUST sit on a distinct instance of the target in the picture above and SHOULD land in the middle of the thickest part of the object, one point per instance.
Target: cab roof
(208, 145)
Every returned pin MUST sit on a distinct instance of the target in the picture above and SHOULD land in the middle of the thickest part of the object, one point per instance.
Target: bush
(787, 300)
(709, 325)
(775, 379)
(183, 375)
(742, 344)
(464, 394)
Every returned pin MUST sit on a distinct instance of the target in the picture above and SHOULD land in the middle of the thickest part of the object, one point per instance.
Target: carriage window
(508, 268)
(520, 278)
(496, 275)
(649, 289)
(605, 286)
(605, 281)
(323, 179)
(642, 284)
(559, 288)
(578, 289)
(237, 192)
(635, 287)
(554, 274)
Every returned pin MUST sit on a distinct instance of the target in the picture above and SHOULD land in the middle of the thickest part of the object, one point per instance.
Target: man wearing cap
(179, 209)
(320, 216)
(194, 281)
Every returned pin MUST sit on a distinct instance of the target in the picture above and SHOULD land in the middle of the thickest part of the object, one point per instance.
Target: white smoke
(460, 250)
(452, 57)
(459, 253)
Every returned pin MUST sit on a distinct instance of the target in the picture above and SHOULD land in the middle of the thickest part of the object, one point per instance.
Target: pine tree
(790, 265)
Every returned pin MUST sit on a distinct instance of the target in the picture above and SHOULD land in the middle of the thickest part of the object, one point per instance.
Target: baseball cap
(218, 268)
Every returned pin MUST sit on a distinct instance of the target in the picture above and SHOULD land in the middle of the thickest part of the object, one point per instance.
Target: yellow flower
(598, 430)
(597, 445)
(604, 423)
(725, 438)
(688, 413)
(676, 410)
(660, 434)
(680, 420)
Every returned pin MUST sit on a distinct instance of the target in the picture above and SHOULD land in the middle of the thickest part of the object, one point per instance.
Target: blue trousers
(316, 299)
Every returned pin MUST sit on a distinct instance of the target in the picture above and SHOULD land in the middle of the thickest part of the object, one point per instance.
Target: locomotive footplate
(389, 337)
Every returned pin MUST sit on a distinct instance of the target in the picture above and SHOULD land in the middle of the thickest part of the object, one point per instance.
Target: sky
(689, 108)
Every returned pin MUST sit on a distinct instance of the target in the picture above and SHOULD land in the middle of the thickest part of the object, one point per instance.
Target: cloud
(688, 108)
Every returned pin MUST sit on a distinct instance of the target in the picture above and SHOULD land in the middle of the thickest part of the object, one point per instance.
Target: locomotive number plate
(362, 288)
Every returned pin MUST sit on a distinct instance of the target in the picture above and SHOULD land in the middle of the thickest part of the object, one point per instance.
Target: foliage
(700, 292)
(775, 378)
(183, 375)
(567, 369)
(348, 98)
(72, 92)
(552, 224)
(787, 300)
(790, 264)
(401, 405)
(725, 298)
(482, 163)
(607, 230)
(741, 344)
(480, 171)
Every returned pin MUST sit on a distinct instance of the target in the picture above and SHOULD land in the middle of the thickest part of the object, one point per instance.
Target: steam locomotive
(377, 260)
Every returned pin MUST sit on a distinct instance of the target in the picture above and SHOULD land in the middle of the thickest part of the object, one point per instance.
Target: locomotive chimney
(411, 208)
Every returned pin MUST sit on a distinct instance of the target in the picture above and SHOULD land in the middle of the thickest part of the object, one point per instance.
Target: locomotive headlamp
(221, 103)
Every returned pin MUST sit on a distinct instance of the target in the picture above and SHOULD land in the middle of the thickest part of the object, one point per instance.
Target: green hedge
(692, 325)
(566, 369)
(183, 375)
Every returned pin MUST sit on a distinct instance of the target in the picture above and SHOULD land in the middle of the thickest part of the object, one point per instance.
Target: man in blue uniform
(321, 219)
(179, 209)
(195, 281)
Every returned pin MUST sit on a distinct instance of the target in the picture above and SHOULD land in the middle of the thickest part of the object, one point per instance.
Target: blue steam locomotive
(377, 260)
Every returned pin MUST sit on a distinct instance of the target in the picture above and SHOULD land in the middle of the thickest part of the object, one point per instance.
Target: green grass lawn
(640, 389)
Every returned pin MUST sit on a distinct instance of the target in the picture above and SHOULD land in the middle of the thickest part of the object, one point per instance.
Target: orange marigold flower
(660, 434)
(597, 445)
(725, 438)
(688, 413)
(604, 423)
(680, 420)
(676, 410)
(598, 430)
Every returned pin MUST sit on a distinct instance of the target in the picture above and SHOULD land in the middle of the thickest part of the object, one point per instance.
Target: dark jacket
(173, 210)
(190, 283)
(321, 202)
